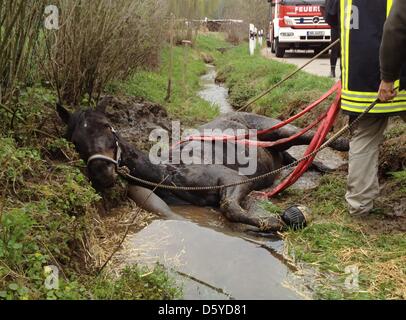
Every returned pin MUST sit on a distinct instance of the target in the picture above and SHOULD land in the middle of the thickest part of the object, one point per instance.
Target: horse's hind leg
(230, 206)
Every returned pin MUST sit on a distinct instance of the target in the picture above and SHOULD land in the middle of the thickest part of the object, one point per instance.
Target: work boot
(333, 72)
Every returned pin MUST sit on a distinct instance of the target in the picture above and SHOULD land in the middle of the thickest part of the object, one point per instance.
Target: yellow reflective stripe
(389, 7)
(346, 23)
(369, 93)
(380, 108)
(348, 28)
(360, 93)
(379, 105)
(345, 17)
(342, 38)
(369, 96)
(373, 111)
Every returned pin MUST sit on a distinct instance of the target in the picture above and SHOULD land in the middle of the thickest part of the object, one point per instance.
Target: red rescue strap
(326, 121)
(317, 141)
(268, 144)
(309, 108)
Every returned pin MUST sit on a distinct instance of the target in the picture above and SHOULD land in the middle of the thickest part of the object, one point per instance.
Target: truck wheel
(273, 46)
(279, 52)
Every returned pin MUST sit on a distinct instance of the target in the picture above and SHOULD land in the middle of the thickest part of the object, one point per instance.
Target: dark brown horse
(103, 150)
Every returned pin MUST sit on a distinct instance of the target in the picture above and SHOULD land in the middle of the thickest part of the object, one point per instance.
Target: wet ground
(212, 258)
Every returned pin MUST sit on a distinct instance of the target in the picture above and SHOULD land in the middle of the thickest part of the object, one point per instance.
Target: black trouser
(336, 50)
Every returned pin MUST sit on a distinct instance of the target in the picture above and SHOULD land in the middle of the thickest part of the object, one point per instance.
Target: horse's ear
(64, 114)
(103, 104)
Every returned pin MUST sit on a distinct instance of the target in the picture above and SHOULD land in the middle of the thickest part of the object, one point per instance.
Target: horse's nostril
(102, 174)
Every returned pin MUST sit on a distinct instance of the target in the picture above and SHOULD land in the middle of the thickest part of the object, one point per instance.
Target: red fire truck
(297, 24)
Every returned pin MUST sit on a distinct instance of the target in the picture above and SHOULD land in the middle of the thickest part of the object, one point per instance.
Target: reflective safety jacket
(362, 23)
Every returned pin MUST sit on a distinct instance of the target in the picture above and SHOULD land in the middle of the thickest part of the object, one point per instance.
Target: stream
(213, 92)
(208, 257)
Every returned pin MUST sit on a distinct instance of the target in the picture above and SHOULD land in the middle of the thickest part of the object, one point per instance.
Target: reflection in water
(210, 258)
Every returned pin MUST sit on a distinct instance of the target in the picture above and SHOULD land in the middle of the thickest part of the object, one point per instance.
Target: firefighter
(330, 12)
(361, 26)
(393, 51)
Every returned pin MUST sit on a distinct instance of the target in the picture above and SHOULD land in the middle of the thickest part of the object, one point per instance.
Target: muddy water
(211, 260)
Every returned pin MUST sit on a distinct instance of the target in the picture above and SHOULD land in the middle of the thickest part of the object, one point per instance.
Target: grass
(137, 283)
(184, 104)
(247, 76)
(335, 242)
(48, 217)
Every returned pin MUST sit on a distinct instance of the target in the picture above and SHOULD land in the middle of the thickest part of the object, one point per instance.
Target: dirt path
(320, 67)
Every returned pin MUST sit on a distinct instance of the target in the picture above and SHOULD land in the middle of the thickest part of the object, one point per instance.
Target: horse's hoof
(297, 217)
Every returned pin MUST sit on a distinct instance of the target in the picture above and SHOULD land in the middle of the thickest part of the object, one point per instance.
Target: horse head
(96, 142)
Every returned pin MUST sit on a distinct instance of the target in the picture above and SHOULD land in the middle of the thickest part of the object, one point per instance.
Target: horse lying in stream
(102, 148)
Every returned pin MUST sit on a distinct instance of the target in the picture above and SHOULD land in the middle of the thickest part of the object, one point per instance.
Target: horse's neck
(140, 165)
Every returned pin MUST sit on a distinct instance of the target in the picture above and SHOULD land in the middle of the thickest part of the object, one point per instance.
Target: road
(320, 67)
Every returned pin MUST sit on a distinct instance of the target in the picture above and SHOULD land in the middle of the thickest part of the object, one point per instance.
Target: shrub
(20, 22)
(102, 40)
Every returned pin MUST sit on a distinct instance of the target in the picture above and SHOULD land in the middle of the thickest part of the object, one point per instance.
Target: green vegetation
(184, 104)
(48, 212)
(48, 216)
(247, 76)
(137, 284)
(47, 221)
(334, 241)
